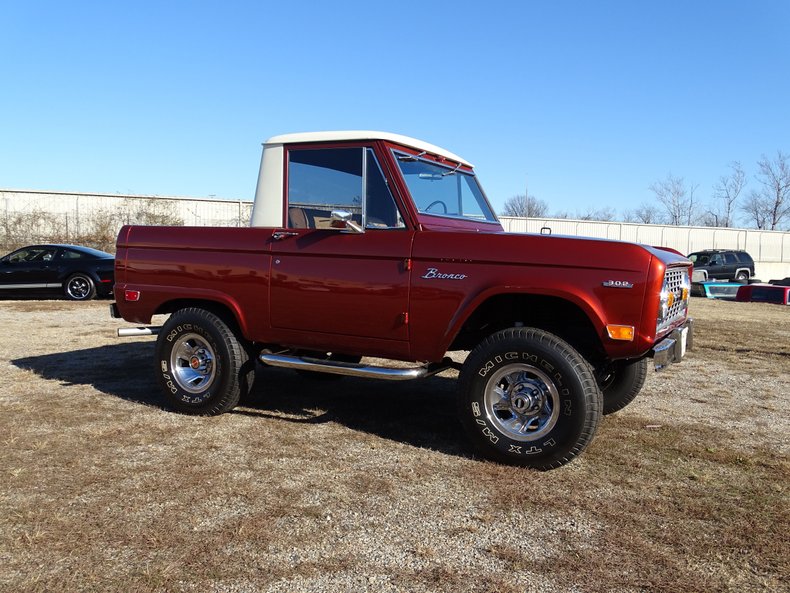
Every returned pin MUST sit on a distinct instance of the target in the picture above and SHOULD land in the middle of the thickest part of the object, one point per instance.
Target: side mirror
(344, 220)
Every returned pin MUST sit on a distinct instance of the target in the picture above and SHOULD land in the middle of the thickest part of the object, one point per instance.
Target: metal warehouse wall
(79, 207)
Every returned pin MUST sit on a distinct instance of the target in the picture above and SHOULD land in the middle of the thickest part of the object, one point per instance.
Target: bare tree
(769, 207)
(524, 205)
(645, 213)
(756, 210)
(604, 214)
(677, 199)
(726, 192)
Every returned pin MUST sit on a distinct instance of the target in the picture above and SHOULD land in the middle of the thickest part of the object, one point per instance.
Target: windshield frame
(452, 168)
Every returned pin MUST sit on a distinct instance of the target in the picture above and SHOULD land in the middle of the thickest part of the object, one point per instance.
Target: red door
(352, 284)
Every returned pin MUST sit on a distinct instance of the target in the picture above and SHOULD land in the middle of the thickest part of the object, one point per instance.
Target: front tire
(79, 287)
(621, 383)
(527, 398)
(204, 368)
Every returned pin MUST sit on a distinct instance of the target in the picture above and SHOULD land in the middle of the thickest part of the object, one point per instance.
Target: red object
(764, 293)
(409, 293)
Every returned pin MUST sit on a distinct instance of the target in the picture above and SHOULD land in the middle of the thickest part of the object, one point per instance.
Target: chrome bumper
(673, 347)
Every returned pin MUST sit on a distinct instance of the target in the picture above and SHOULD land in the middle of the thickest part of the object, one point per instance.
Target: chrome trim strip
(460, 217)
(41, 285)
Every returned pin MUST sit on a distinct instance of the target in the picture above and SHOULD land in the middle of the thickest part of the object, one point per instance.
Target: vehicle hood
(541, 250)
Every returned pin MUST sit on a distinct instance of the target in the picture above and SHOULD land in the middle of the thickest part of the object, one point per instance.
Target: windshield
(444, 191)
(699, 259)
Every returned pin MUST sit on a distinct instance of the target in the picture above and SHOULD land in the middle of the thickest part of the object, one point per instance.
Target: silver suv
(723, 264)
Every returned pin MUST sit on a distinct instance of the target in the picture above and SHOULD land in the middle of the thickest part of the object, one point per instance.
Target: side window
(381, 211)
(715, 260)
(69, 254)
(33, 254)
(323, 180)
(471, 198)
(327, 179)
(729, 258)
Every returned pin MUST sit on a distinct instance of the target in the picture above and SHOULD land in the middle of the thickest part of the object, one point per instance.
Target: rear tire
(204, 368)
(79, 287)
(621, 383)
(527, 398)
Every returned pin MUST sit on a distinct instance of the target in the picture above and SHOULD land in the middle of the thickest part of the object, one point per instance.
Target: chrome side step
(349, 369)
(132, 332)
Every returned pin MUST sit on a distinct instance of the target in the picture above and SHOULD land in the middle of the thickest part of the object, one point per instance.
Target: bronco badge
(433, 273)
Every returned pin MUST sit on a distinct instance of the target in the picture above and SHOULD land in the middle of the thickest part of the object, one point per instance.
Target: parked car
(723, 264)
(371, 244)
(79, 272)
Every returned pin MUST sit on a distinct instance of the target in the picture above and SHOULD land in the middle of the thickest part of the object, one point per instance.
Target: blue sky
(587, 102)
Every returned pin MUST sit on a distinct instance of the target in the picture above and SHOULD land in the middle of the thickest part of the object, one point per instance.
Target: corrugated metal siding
(193, 211)
(35, 216)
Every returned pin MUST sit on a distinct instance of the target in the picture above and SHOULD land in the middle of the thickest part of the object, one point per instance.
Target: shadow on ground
(420, 413)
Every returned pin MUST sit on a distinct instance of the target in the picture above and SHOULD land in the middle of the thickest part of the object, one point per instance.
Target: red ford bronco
(370, 244)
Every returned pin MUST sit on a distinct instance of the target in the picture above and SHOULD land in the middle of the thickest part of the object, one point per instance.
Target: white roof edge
(366, 135)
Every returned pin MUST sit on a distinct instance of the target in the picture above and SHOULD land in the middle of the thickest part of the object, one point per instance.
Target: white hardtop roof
(366, 135)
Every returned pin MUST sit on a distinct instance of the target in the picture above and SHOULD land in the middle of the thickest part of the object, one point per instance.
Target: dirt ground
(359, 485)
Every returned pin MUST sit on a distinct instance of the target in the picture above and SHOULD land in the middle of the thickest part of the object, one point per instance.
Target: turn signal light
(131, 296)
(621, 332)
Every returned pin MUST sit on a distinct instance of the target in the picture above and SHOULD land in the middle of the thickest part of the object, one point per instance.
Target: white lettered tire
(526, 397)
(202, 366)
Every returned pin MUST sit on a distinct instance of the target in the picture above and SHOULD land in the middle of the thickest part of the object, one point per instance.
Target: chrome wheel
(79, 288)
(522, 402)
(193, 363)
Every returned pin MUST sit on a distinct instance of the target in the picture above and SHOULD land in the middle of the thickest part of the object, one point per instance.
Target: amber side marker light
(621, 332)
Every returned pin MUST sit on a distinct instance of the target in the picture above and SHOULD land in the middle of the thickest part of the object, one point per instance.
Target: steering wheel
(436, 203)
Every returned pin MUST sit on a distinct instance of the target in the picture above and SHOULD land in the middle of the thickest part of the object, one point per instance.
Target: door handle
(280, 235)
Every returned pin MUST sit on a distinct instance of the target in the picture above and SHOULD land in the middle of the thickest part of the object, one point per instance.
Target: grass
(363, 486)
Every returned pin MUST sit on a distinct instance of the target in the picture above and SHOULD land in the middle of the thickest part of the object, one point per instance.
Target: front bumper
(674, 346)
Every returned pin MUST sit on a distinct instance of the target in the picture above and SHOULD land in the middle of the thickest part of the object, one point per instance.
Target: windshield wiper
(458, 166)
(411, 157)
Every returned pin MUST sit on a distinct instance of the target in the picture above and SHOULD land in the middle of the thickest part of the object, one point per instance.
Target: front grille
(676, 281)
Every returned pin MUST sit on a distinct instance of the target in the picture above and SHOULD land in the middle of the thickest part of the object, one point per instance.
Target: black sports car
(80, 272)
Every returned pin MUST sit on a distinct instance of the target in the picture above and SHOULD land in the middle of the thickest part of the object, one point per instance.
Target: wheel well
(552, 314)
(219, 309)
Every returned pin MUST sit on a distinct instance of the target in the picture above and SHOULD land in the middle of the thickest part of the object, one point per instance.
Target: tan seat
(297, 219)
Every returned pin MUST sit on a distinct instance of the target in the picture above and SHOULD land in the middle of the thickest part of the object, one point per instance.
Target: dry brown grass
(367, 486)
